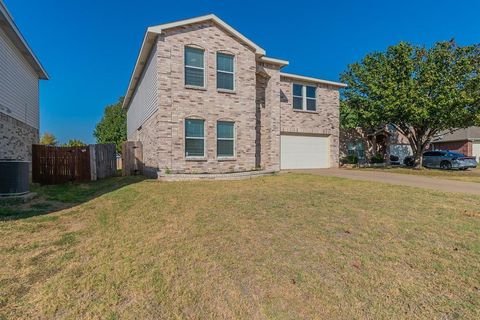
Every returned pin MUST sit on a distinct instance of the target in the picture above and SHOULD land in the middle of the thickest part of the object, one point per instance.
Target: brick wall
(268, 116)
(464, 146)
(16, 139)
(163, 134)
(323, 121)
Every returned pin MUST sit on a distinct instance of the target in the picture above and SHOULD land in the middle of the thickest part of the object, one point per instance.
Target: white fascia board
(313, 80)
(19, 41)
(274, 61)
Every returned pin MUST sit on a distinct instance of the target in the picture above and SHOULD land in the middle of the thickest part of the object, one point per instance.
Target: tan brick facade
(255, 106)
(324, 121)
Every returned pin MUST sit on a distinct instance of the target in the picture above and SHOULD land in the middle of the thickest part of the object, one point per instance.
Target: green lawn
(290, 246)
(471, 175)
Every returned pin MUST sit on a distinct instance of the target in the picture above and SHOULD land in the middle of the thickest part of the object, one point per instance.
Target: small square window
(304, 97)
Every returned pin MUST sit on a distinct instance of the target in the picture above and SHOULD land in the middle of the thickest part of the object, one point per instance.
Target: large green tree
(112, 128)
(420, 91)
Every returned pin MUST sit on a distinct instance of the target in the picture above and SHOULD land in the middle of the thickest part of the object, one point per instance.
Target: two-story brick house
(204, 98)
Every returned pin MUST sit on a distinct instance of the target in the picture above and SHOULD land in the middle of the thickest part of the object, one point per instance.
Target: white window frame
(185, 66)
(304, 97)
(194, 138)
(227, 139)
(354, 148)
(227, 72)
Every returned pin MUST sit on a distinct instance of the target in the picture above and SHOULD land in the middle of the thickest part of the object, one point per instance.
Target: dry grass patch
(281, 247)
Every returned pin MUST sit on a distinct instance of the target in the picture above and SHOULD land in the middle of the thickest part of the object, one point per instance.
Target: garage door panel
(304, 152)
(476, 150)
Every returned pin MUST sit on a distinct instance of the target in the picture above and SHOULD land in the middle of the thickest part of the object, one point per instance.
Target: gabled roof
(8, 25)
(469, 134)
(209, 17)
(153, 32)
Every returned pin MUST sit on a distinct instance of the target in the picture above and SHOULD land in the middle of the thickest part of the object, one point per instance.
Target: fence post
(93, 162)
(132, 158)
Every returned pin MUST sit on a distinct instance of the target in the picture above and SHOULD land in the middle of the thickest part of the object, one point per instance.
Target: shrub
(351, 159)
(377, 158)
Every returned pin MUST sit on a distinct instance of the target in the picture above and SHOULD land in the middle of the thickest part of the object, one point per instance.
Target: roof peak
(209, 17)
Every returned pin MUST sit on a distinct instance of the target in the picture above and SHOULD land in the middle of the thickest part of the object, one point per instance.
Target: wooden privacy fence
(132, 158)
(103, 161)
(56, 165)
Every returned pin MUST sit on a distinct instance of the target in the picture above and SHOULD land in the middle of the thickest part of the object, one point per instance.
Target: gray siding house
(205, 99)
(20, 72)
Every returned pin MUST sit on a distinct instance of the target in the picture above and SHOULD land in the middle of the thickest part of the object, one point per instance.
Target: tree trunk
(418, 154)
(420, 149)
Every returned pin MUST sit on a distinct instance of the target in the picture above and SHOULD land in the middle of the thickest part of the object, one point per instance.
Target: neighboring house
(364, 144)
(466, 141)
(20, 71)
(204, 98)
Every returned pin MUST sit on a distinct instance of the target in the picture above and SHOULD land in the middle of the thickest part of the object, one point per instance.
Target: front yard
(290, 246)
(471, 175)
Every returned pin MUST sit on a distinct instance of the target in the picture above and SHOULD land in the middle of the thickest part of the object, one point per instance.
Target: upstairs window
(304, 97)
(225, 71)
(194, 138)
(297, 97)
(225, 139)
(194, 67)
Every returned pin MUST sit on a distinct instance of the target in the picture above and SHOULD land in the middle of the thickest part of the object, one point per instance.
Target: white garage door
(476, 150)
(304, 152)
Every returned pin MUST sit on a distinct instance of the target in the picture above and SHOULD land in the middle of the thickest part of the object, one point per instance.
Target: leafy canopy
(112, 128)
(74, 143)
(420, 91)
(48, 139)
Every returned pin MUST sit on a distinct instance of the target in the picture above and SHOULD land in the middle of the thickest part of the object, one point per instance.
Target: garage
(476, 150)
(304, 151)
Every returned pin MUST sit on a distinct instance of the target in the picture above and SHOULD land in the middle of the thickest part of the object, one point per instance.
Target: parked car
(446, 160)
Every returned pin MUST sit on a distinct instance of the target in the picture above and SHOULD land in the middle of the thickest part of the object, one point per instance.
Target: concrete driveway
(400, 179)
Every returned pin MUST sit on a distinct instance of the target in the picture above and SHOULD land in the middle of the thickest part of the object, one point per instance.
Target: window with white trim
(304, 97)
(225, 139)
(194, 138)
(356, 149)
(194, 67)
(225, 71)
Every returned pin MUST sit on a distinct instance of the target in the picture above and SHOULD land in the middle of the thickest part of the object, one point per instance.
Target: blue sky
(89, 47)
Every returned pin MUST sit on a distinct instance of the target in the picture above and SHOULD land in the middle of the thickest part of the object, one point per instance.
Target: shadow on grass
(53, 198)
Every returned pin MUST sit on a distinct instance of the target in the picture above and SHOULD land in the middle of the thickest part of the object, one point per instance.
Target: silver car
(448, 160)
